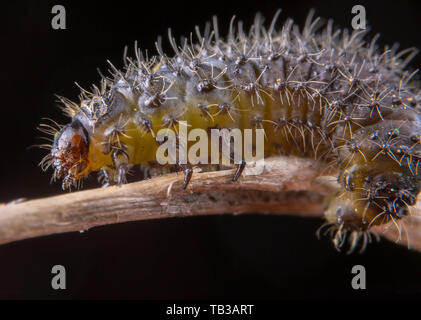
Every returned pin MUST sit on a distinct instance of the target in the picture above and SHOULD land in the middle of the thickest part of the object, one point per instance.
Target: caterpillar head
(69, 152)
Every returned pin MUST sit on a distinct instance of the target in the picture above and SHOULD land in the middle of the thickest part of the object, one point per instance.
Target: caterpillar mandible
(317, 92)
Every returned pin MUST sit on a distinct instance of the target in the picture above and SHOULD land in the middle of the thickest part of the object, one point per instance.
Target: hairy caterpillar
(318, 93)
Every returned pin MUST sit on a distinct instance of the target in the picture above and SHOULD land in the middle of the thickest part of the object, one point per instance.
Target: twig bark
(286, 186)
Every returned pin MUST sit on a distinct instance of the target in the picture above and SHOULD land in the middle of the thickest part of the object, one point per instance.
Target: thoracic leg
(121, 160)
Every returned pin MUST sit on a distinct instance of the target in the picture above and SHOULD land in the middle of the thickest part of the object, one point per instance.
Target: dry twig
(287, 186)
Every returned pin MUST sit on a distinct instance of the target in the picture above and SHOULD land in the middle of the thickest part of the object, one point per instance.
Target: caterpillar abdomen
(326, 95)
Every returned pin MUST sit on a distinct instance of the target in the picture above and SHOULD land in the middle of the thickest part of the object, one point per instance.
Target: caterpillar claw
(121, 161)
(239, 171)
(68, 180)
(188, 173)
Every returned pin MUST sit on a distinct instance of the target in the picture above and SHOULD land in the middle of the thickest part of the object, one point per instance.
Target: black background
(199, 257)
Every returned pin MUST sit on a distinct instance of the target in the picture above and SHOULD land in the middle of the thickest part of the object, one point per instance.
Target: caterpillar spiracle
(317, 92)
